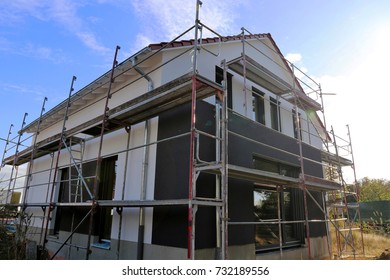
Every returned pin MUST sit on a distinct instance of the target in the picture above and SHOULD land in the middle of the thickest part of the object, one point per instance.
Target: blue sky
(342, 44)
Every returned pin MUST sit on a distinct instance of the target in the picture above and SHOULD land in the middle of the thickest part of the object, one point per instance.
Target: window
(295, 125)
(275, 114)
(271, 204)
(219, 79)
(72, 190)
(276, 167)
(258, 105)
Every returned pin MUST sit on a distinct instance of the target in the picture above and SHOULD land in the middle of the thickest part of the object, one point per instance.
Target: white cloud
(63, 12)
(8, 88)
(294, 57)
(5, 44)
(15, 11)
(41, 52)
(164, 20)
(91, 42)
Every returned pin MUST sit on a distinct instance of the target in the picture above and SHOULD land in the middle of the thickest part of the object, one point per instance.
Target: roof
(191, 42)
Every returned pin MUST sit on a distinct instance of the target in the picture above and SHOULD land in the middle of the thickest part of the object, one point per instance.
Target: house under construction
(203, 148)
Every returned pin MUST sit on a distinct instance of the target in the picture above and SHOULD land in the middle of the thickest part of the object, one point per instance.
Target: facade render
(199, 149)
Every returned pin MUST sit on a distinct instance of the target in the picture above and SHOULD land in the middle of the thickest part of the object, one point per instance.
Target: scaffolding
(188, 89)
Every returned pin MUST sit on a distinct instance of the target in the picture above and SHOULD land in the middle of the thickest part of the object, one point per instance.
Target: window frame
(229, 86)
(296, 125)
(275, 114)
(297, 239)
(103, 218)
(258, 105)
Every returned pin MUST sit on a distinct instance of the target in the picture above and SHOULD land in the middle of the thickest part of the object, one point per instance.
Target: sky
(342, 44)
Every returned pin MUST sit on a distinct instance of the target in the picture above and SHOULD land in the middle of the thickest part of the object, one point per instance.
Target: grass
(374, 245)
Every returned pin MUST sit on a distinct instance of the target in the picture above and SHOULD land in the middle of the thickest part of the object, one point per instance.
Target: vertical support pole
(128, 130)
(96, 182)
(144, 175)
(2, 164)
(224, 163)
(357, 189)
(326, 215)
(244, 71)
(60, 144)
(218, 181)
(42, 237)
(192, 177)
(302, 183)
(13, 180)
(6, 146)
(279, 191)
(144, 182)
(323, 116)
(344, 197)
(31, 163)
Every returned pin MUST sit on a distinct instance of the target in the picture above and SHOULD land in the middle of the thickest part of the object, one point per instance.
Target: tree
(374, 189)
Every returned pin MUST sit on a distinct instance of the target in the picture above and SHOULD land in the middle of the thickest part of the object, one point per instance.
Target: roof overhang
(334, 159)
(259, 74)
(94, 90)
(254, 175)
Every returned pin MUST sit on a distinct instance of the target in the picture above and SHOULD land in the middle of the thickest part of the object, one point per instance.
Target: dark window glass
(219, 79)
(270, 204)
(72, 189)
(295, 125)
(276, 167)
(258, 105)
(275, 114)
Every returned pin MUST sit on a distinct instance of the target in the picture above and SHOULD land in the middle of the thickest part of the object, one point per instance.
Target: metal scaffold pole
(302, 183)
(192, 176)
(224, 169)
(31, 163)
(99, 157)
(7, 141)
(119, 210)
(357, 190)
(12, 180)
(60, 145)
(348, 237)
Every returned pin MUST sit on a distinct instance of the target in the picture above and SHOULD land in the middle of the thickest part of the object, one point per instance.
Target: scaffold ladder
(346, 209)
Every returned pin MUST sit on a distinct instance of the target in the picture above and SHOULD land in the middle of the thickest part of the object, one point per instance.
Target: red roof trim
(185, 43)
